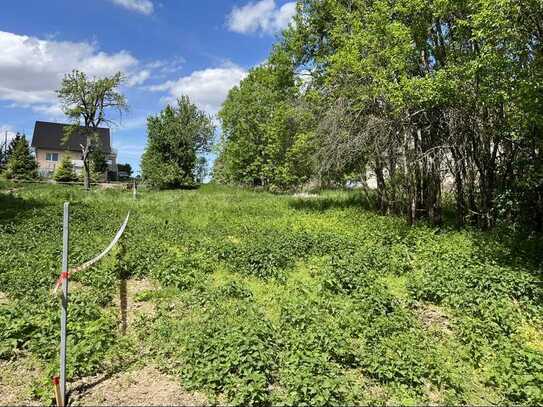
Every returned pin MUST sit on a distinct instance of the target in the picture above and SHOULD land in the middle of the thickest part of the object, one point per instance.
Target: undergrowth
(277, 300)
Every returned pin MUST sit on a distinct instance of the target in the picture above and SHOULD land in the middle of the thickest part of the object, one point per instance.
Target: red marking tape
(63, 276)
(86, 265)
(56, 380)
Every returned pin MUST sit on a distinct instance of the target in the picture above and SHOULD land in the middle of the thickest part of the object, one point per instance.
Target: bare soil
(135, 308)
(16, 379)
(140, 387)
(434, 317)
(3, 298)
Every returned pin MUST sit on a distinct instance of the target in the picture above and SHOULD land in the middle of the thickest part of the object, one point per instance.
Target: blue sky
(165, 48)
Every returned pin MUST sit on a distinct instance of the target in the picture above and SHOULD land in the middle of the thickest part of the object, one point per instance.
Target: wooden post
(64, 311)
(122, 273)
(134, 190)
(56, 387)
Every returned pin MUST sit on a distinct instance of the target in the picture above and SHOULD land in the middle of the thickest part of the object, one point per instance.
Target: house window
(51, 156)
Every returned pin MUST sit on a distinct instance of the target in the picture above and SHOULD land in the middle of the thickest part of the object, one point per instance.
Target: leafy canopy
(176, 138)
(265, 129)
(88, 103)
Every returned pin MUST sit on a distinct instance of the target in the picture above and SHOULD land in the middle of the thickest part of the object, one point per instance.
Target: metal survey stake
(64, 310)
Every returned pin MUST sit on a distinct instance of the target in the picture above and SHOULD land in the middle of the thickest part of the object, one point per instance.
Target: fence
(119, 184)
(60, 383)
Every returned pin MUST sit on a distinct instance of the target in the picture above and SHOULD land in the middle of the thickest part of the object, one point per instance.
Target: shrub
(65, 170)
(183, 271)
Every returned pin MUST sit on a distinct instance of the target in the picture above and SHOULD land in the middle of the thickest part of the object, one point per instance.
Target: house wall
(47, 168)
(113, 164)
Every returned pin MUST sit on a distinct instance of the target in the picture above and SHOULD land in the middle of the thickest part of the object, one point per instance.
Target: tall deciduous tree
(265, 141)
(418, 94)
(176, 139)
(88, 103)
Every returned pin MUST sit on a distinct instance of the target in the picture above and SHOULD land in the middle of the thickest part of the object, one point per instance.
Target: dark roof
(49, 136)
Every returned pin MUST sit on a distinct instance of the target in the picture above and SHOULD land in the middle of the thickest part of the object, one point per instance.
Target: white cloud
(6, 130)
(263, 16)
(53, 111)
(129, 150)
(207, 88)
(163, 68)
(140, 6)
(32, 68)
(139, 78)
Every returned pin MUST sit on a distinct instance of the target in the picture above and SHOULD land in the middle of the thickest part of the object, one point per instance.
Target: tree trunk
(410, 184)
(434, 189)
(459, 189)
(381, 194)
(86, 169)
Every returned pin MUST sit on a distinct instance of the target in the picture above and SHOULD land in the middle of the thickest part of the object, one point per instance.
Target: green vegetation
(20, 163)
(267, 299)
(264, 142)
(176, 138)
(65, 171)
(88, 103)
(98, 161)
(416, 94)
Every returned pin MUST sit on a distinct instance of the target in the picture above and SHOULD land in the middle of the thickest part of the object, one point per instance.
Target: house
(49, 148)
(124, 171)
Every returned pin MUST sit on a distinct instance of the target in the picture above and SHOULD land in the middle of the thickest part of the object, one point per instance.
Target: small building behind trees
(51, 145)
(125, 171)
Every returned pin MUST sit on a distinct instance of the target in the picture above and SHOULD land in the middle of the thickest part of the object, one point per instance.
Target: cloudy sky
(165, 48)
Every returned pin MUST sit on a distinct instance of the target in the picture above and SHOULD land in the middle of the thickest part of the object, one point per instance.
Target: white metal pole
(64, 311)
(134, 190)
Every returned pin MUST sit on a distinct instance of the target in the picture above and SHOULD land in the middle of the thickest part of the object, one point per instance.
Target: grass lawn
(253, 298)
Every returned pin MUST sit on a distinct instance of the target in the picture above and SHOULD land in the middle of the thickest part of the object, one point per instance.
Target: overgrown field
(267, 299)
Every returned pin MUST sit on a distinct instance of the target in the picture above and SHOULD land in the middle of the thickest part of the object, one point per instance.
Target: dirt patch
(433, 317)
(3, 298)
(141, 387)
(123, 185)
(16, 379)
(127, 296)
(433, 395)
(305, 195)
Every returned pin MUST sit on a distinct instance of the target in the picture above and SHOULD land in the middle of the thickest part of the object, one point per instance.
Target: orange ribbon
(63, 276)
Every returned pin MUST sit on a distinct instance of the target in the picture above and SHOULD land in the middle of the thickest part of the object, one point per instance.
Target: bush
(65, 171)
(182, 271)
(519, 371)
